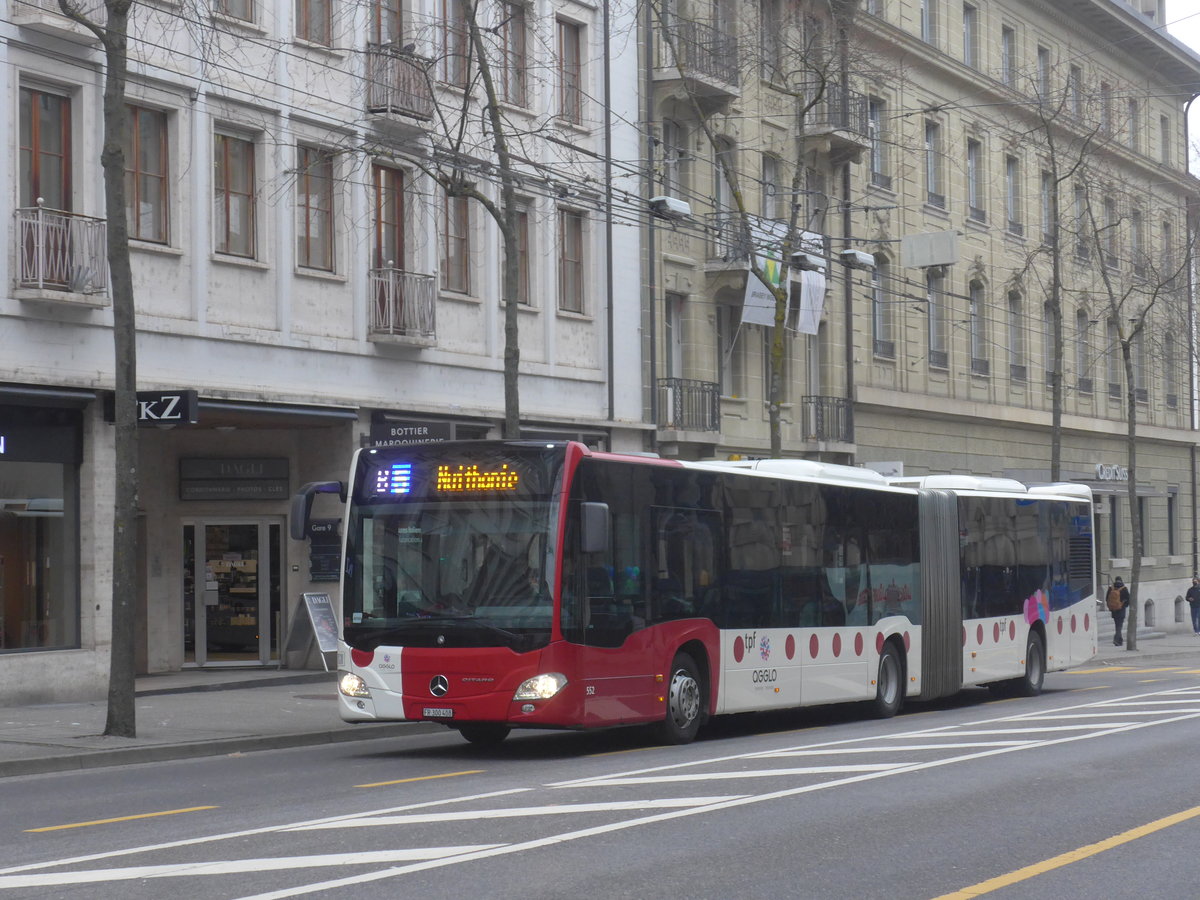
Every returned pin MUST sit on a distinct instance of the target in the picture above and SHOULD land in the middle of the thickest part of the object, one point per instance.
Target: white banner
(812, 301)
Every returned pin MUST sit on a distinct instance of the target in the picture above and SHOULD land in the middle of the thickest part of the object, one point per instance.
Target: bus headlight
(353, 686)
(541, 687)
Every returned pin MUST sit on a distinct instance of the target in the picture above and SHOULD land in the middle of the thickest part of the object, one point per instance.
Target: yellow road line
(1071, 856)
(168, 812)
(1099, 670)
(1162, 669)
(420, 778)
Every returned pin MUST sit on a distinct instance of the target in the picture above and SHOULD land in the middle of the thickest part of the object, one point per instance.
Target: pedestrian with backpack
(1117, 601)
(1193, 599)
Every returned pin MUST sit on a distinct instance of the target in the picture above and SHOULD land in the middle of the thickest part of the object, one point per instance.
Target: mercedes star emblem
(439, 685)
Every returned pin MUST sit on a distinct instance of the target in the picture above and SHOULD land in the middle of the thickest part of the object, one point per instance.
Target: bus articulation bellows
(499, 585)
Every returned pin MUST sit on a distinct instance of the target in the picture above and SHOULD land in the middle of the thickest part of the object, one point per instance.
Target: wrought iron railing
(61, 251)
(699, 50)
(838, 110)
(729, 237)
(402, 304)
(685, 404)
(397, 83)
(828, 419)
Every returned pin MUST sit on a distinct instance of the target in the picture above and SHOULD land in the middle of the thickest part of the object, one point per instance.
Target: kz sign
(161, 407)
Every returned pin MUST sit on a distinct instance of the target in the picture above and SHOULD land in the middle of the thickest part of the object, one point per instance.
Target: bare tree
(113, 34)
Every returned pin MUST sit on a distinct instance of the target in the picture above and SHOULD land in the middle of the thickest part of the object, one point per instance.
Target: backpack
(1113, 599)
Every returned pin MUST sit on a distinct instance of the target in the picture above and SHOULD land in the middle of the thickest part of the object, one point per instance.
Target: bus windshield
(449, 547)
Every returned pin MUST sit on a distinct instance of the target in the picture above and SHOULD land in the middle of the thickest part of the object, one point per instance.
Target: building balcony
(398, 87)
(46, 17)
(729, 239)
(829, 419)
(838, 124)
(61, 257)
(402, 307)
(685, 404)
(704, 59)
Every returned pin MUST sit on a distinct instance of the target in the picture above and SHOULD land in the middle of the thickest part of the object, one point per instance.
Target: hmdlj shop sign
(234, 479)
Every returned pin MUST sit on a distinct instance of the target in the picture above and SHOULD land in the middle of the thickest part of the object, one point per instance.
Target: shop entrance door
(231, 584)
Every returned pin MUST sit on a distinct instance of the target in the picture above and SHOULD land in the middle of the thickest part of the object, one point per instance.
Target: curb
(125, 756)
(306, 678)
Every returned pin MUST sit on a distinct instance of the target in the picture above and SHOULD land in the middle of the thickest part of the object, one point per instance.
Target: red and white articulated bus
(498, 585)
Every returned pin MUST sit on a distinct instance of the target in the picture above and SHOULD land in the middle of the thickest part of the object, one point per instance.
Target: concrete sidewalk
(205, 712)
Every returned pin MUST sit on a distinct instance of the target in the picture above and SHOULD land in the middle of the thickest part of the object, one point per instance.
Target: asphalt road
(1066, 795)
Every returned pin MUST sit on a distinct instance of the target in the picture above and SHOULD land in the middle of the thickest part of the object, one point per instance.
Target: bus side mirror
(594, 527)
(302, 505)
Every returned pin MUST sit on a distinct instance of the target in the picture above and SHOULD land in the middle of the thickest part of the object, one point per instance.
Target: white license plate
(438, 712)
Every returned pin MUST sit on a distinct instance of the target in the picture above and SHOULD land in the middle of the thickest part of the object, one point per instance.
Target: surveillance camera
(857, 259)
(806, 262)
(670, 208)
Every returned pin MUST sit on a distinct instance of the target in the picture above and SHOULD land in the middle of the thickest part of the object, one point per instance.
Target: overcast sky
(1183, 21)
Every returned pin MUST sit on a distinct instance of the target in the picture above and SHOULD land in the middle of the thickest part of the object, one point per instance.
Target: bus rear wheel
(1030, 684)
(685, 702)
(889, 686)
(484, 734)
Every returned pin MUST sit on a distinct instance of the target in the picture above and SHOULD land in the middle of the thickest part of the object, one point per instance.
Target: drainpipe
(608, 217)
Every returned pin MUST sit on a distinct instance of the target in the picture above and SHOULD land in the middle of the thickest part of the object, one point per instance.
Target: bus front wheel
(685, 702)
(1030, 684)
(484, 734)
(889, 686)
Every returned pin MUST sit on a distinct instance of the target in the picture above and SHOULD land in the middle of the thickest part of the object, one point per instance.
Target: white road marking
(237, 866)
(894, 748)
(750, 773)
(521, 811)
(1099, 715)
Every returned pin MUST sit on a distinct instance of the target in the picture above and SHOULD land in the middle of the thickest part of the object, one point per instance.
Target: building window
(1083, 247)
(876, 130)
(454, 43)
(314, 208)
(882, 308)
(1017, 370)
(1111, 242)
(935, 295)
(771, 40)
(928, 23)
(978, 329)
(45, 150)
(456, 244)
(934, 191)
(1075, 90)
(146, 187)
(770, 187)
(522, 223)
(970, 35)
(1112, 354)
(975, 188)
(1083, 351)
(674, 153)
(1168, 253)
(570, 72)
(1105, 108)
(730, 358)
(314, 21)
(387, 23)
(1008, 55)
(388, 190)
(39, 528)
(1012, 195)
(1170, 385)
(1043, 73)
(1137, 242)
(570, 261)
(1137, 349)
(1047, 189)
(234, 195)
(1134, 125)
(1164, 139)
(1114, 530)
(1172, 525)
(237, 9)
(516, 58)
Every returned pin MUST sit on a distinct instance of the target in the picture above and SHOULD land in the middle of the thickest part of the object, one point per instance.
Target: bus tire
(685, 702)
(484, 734)
(889, 686)
(1030, 684)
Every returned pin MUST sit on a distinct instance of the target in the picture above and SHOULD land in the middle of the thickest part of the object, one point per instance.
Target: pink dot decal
(739, 649)
(879, 643)
(907, 642)
(1087, 622)
(964, 635)
(979, 635)
(814, 646)
(1012, 631)
(1060, 624)
(837, 645)
(789, 646)
(996, 633)
(1072, 624)
(858, 644)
